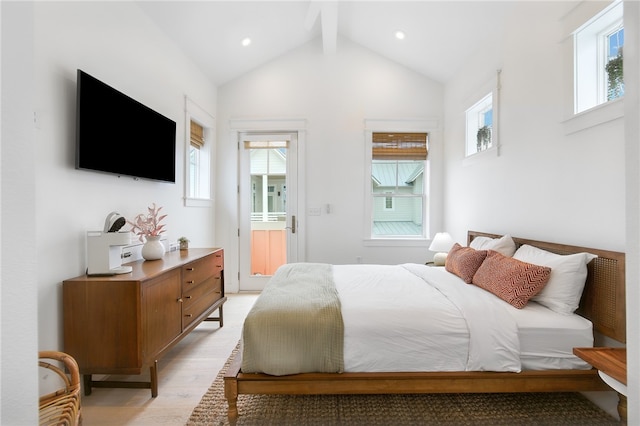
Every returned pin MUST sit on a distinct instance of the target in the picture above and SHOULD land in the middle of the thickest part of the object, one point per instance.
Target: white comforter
(417, 318)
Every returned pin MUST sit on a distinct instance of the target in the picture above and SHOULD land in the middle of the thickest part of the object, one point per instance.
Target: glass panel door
(267, 223)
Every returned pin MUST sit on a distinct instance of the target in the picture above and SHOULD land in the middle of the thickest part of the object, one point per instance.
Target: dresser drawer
(196, 272)
(192, 295)
(198, 306)
(218, 261)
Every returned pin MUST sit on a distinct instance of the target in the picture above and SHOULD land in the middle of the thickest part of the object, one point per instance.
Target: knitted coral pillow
(510, 279)
(464, 261)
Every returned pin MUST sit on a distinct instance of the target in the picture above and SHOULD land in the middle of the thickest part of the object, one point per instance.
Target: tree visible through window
(398, 184)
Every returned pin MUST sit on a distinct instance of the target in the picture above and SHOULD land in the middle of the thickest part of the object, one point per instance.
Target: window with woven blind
(398, 193)
(399, 146)
(199, 150)
(196, 141)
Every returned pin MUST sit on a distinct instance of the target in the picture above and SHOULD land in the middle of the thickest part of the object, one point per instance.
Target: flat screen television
(117, 134)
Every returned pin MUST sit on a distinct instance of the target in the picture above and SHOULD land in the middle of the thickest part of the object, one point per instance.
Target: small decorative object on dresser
(153, 249)
(184, 243)
(148, 226)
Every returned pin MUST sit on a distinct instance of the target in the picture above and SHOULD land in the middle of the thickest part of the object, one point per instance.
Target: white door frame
(295, 243)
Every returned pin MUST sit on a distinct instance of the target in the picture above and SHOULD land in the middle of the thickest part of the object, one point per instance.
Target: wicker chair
(63, 406)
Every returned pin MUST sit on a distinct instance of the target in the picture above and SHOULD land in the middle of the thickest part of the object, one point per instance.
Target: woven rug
(414, 409)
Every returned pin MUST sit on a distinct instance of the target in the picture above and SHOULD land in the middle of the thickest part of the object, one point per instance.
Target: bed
(601, 309)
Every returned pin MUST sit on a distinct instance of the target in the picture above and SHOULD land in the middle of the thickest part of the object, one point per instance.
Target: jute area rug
(431, 409)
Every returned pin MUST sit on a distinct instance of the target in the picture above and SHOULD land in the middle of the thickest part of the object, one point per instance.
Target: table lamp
(441, 244)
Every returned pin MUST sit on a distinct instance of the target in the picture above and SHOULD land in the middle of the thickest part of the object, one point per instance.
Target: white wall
(118, 44)
(18, 282)
(545, 184)
(334, 94)
(632, 137)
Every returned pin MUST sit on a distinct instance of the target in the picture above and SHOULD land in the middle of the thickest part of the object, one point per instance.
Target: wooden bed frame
(603, 302)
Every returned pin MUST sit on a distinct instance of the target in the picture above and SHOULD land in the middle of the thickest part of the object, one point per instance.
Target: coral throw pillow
(510, 279)
(464, 261)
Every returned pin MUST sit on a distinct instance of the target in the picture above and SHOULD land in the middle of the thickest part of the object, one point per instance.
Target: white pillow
(503, 245)
(568, 275)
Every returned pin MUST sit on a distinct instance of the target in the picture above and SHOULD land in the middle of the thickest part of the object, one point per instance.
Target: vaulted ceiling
(439, 35)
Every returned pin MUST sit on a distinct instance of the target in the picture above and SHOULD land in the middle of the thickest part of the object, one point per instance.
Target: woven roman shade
(276, 144)
(399, 146)
(197, 135)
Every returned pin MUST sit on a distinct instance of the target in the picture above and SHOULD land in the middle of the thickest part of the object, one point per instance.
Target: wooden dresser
(123, 324)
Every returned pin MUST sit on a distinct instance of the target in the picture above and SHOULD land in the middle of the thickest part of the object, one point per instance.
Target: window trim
(193, 112)
(429, 126)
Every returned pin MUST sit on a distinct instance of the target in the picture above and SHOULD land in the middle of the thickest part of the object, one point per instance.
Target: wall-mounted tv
(117, 134)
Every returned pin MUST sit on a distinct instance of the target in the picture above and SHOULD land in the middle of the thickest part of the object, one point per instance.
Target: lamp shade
(442, 242)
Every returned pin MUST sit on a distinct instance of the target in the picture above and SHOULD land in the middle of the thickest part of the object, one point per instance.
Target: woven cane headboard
(603, 298)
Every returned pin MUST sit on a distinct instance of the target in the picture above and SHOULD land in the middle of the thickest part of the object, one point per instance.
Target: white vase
(153, 249)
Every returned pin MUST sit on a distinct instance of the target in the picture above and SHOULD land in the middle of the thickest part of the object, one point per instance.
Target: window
(480, 126)
(388, 203)
(199, 152)
(598, 56)
(615, 80)
(268, 168)
(196, 146)
(398, 206)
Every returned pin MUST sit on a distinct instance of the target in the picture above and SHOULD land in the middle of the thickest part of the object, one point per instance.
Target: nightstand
(611, 364)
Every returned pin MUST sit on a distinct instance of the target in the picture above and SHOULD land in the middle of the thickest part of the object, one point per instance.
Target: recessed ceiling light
(246, 41)
(400, 35)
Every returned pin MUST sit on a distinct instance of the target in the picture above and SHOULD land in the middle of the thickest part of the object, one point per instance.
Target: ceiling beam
(329, 26)
(312, 14)
(327, 11)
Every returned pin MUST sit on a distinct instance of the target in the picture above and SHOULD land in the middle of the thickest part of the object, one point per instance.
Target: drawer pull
(191, 269)
(187, 297)
(190, 282)
(179, 300)
(188, 315)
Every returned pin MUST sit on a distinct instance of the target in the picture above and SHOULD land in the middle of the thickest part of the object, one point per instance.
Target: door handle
(293, 225)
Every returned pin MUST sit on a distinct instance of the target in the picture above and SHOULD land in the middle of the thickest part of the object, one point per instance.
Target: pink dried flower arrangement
(148, 225)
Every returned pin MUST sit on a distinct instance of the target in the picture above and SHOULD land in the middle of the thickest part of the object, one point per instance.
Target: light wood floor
(184, 375)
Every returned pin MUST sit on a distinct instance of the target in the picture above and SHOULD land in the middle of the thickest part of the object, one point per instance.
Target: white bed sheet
(397, 319)
(547, 338)
(388, 328)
